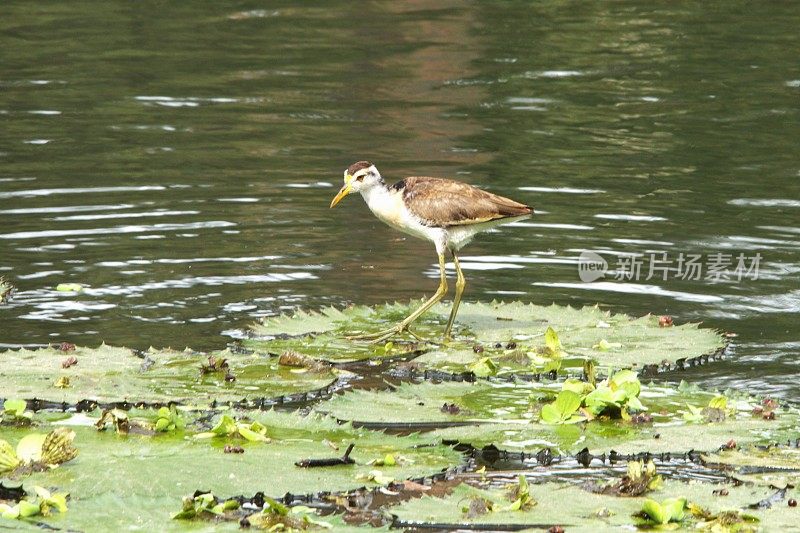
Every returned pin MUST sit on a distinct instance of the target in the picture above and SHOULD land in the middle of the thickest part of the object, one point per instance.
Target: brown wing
(441, 202)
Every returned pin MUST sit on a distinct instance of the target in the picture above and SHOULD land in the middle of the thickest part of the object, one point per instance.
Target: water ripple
(551, 226)
(79, 190)
(566, 190)
(765, 202)
(514, 259)
(64, 209)
(169, 101)
(769, 303)
(181, 261)
(161, 213)
(42, 274)
(630, 288)
(782, 229)
(117, 230)
(631, 218)
(209, 281)
(552, 74)
(316, 184)
(643, 242)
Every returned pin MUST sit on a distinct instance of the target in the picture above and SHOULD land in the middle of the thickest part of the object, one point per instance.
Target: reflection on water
(181, 166)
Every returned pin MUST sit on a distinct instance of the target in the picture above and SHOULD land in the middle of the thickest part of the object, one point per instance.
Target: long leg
(403, 325)
(460, 284)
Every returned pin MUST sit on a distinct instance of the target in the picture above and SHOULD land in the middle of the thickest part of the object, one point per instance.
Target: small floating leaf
(718, 402)
(14, 413)
(552, 342)
(14, 407)
(695, 414)
(669, 510)
(605, 346)
(483, 367)
(252, 436)
(563, 409)
(376, 476)
(168, 419)
(69, 287)
(655, 511)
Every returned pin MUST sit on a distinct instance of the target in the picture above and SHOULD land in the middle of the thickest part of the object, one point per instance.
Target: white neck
(388, 205)
(378, 198)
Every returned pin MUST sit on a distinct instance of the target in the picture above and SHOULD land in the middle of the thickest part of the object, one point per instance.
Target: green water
(179, 158)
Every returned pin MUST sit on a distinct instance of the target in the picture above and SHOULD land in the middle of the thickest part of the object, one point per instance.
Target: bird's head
(358, 177)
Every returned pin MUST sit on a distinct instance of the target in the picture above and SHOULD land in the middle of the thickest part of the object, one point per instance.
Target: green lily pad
(774, 457)
(508, 415)
(133, 480)
(322, 334)
(669, 436)
(429, 403)
(112, 374)
(772, 466)
(589, 333)
(110, 512)
(576, 510)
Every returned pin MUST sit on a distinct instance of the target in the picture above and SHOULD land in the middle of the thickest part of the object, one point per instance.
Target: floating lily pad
(112, 374)
(667, 434)
(429, 403)
(589, 333)
(323, 334)
(773, 457)
(120, 481)
(507, 415)
(772, 466)
(576, 510)
(136, 479)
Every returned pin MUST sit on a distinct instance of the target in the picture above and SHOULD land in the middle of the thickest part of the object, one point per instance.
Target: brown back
(442, 202)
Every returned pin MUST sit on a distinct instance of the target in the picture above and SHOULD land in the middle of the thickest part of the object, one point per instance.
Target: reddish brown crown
(355, 167)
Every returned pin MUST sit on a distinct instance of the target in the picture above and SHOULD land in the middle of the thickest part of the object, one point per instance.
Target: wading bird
(448, 213)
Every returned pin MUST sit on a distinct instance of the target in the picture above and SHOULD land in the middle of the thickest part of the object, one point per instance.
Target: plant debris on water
(6, 288)
(43, 504)
(15, 413)
(640, 478)
(37, 451)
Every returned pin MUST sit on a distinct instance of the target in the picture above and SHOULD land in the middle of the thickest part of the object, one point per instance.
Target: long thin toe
(417, 337)
(383, 338)
(364, 336)
(377, 336)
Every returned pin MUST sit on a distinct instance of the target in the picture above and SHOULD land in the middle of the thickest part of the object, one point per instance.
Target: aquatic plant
(558, 384)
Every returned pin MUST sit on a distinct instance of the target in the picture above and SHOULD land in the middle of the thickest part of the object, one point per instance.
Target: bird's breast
(390, 208)
(387, 207)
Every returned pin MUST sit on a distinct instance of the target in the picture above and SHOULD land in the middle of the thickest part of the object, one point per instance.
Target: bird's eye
(360, 178)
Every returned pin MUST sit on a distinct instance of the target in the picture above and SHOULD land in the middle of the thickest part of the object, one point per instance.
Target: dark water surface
(179, 158)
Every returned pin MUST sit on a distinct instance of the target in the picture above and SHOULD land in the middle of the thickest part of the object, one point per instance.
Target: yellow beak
(344, 191)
